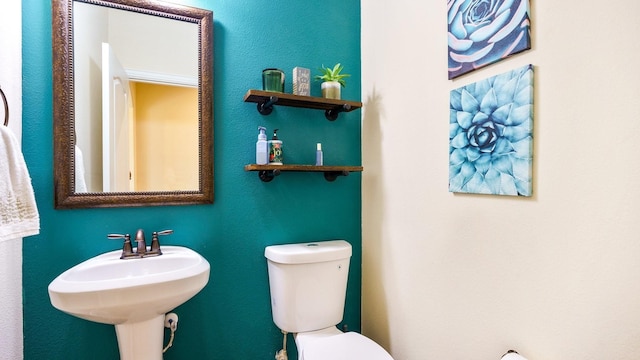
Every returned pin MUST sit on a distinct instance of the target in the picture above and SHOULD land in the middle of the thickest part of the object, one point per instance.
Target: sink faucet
(141, 248)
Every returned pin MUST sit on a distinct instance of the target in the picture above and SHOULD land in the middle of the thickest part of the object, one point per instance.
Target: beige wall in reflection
(166, 137)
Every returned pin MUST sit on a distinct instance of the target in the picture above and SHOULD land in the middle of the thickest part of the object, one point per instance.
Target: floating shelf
(266, 173)
(267, 99)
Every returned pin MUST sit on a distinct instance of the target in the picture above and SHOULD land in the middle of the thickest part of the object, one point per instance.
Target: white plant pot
(331, 90)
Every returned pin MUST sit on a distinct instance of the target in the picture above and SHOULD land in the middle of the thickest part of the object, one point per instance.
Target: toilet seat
(341, 346)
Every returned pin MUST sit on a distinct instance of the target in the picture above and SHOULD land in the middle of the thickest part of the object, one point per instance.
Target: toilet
(308, 284)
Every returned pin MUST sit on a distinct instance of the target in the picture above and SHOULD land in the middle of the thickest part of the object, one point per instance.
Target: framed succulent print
(491, 135)
(482, 32)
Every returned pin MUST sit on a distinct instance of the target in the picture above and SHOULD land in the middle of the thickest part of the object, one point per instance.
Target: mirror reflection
(133, 103)
(136, 101)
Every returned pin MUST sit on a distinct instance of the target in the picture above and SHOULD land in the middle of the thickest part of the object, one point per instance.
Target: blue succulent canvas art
(482, 32)
(491, 135)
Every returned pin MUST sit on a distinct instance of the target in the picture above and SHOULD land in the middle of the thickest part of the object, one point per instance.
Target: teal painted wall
(230, 318)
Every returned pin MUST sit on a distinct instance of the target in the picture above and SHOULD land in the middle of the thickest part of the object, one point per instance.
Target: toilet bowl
(308, 284)
(333, 344)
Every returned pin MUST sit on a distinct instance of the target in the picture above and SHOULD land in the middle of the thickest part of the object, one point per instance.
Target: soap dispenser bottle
(262, 147)
(275, 149)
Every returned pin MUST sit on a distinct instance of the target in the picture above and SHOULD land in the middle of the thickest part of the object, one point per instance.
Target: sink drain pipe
(170, 322)
(282, 354)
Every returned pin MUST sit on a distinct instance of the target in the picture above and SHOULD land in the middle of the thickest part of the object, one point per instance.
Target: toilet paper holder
(514, 357)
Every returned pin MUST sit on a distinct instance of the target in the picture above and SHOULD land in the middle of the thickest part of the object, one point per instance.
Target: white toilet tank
(308, 284)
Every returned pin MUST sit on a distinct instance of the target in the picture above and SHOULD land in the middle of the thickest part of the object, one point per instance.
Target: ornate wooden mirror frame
(63, 108)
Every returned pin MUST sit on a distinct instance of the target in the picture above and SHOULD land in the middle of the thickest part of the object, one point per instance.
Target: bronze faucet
(141, 248)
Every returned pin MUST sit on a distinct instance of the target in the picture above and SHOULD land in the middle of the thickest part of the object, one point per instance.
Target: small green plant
(332, 74)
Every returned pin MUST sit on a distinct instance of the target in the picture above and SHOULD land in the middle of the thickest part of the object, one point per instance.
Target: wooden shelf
(268, 172)
(267, 99)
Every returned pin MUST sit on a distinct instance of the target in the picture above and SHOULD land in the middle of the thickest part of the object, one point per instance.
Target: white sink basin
(133, 294)
(110, 290)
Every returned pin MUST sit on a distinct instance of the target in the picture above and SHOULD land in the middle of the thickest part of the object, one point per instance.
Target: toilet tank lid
(311, 252)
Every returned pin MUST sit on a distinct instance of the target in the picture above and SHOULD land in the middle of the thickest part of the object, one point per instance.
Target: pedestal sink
(133, 294)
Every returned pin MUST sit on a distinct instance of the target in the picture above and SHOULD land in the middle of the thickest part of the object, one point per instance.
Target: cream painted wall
(11, 327)
(170, 46)
(452, 276)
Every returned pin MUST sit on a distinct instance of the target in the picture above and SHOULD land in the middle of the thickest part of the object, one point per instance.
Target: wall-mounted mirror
(133, 103)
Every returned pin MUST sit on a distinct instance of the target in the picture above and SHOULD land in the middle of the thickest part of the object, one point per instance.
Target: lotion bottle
(275, 149)
(262, 149)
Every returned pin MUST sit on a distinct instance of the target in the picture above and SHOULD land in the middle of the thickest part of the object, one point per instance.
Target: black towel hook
(6, 108)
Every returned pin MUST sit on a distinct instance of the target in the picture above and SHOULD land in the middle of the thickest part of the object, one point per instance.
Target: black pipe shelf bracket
(267, 173)
(266, 107)
(332, 114)
(267, 99)
(333, 175)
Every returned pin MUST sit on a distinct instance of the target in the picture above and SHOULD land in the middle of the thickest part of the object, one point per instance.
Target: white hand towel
(18, 212)
(81, 185)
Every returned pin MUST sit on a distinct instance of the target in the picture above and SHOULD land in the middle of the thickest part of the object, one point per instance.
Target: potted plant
(333, 80)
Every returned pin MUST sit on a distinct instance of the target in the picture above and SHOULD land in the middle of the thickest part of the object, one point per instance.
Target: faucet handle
(127, 250)
(119, 236)
(155, 243)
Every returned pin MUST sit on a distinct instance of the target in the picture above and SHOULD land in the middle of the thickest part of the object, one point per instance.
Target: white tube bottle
(319, 160)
